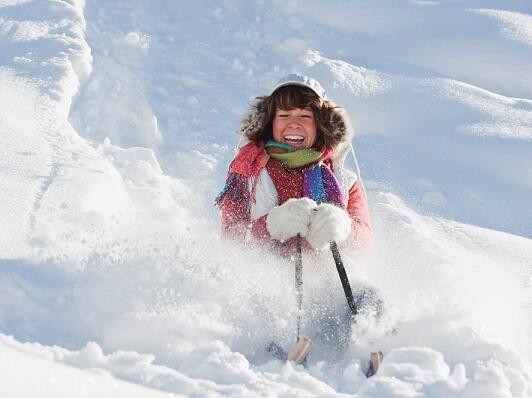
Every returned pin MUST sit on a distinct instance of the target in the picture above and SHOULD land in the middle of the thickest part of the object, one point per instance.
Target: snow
(118, 124)
(515, 25)
(29, 371)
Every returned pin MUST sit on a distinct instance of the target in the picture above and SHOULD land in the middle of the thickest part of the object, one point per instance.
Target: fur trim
(341, 125)
(252, 120)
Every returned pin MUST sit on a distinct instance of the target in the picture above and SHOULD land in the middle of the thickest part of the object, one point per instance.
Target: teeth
(293, 138)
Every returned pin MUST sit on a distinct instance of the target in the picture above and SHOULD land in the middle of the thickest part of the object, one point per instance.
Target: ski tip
(299, 353)
(375, 360)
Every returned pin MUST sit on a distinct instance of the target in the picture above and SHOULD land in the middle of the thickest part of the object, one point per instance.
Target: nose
(293, 121)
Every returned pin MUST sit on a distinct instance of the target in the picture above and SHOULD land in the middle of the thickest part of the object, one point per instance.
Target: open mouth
(293, 139)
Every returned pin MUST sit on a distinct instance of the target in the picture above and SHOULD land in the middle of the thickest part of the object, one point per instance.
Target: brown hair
(290, 97)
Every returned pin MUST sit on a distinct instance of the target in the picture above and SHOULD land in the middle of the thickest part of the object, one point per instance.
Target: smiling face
(295, 127)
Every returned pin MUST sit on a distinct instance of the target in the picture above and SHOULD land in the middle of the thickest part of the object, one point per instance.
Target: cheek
(277, 128)
(312, 132)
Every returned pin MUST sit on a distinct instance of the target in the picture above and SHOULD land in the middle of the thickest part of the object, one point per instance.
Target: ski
(375, 360)
(300, 351)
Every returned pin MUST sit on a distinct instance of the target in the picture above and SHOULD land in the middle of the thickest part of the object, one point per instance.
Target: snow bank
(514, 25)
(56, 379)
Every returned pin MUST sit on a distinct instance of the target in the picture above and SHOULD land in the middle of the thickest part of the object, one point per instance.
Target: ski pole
(343, 278)
(299, 281)
(375, 357)
(299, 352)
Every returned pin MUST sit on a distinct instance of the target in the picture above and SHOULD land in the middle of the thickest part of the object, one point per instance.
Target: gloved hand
(290, 218)
(328, 223)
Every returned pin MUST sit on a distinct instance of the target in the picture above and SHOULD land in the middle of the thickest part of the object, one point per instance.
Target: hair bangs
(290, 97)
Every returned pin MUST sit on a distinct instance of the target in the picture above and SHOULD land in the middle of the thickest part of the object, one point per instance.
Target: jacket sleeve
(357, 209)
(234, 209)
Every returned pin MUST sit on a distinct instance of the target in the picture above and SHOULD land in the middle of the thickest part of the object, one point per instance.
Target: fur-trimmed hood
(340, 123)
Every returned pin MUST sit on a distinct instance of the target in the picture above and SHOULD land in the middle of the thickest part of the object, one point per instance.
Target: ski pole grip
(343, 278)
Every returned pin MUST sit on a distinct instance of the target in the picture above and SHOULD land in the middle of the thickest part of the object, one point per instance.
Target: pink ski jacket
(256, 183)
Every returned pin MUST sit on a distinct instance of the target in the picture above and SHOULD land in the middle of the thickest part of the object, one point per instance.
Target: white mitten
(328, 223)
(290, 218)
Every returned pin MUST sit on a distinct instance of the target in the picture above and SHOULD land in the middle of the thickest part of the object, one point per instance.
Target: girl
(289, 178)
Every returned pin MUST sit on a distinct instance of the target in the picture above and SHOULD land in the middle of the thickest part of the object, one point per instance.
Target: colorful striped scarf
(319, 182)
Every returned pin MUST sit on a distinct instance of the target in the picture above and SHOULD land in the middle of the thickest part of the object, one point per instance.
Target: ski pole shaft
(343, 278)
(299, 281)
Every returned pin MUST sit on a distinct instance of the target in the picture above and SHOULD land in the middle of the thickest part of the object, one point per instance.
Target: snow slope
(117, 125)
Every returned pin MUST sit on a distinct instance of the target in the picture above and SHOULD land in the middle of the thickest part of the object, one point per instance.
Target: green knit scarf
(293, 158)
